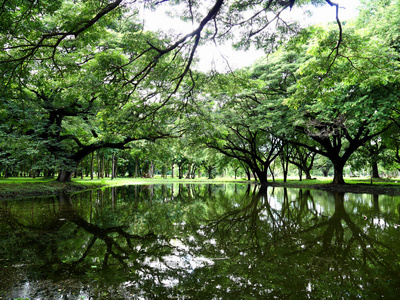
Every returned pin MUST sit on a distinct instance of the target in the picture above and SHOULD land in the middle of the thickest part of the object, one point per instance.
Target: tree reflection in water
(200, 241)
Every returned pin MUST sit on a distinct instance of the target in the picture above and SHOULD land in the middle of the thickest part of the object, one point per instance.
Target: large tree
(82, 103)
(337, 97)
(345, 97)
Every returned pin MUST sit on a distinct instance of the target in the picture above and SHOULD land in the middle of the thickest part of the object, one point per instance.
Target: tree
(74, 114)
(370, 156)
(210, 161)
(324, 164)
(343, 101)
(232, 129)
(303, 159)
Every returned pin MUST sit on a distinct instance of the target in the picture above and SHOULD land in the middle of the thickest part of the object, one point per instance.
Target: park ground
(16, 187)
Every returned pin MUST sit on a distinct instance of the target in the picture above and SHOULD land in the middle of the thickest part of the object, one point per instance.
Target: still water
(201, 242)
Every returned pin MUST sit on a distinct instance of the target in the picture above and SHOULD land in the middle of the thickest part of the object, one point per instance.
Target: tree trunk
(255, 175)
(98, 165)
(113, 166)
(285, 168)
(338, 173)
(92, 167)
(308, 173)
(262, 176)
(263, 180)
(375, 171)
(189, 171)
(102, 166)
(107, 168)
(150, 171)
(163, 171)
(209, 171)
(194, 168)
(272, 173)
(248, 174)
(65, 176)
(180, 170)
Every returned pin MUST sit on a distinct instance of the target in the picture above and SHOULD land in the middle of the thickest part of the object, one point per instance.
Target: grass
(156, 180)
(20, 187)
(388, 186)
(348, 180)
(17, 187)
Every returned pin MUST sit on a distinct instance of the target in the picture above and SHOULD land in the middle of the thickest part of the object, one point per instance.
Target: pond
(184, 241)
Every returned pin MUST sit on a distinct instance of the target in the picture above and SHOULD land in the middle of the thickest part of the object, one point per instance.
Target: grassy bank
(353, 185)
(12, 188)
(17, 187)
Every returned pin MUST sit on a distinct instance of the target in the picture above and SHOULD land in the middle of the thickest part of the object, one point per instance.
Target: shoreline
(360, 188)
(30, 190)
(18, 188)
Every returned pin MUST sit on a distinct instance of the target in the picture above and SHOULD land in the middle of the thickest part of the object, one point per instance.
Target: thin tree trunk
(285, 168)
(151, 169)
(33, 170)
(113, 166)
(189, 171)
(102, 166)
(92, 167)
(272, 173)
(98, 165)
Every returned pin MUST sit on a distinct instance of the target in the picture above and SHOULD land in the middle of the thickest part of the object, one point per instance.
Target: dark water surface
(201, 242)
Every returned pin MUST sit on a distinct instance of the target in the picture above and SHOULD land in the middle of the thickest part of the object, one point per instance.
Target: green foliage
(83, 98)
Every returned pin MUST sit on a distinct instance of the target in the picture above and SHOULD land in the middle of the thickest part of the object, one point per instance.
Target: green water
(201, 242)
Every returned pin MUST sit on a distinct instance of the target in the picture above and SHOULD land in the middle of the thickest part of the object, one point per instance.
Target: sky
(212, 57)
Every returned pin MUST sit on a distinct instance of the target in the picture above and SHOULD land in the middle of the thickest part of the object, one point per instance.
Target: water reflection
(200, 241)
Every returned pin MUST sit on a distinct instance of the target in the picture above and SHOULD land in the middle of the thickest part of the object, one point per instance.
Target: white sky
(215, 58)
